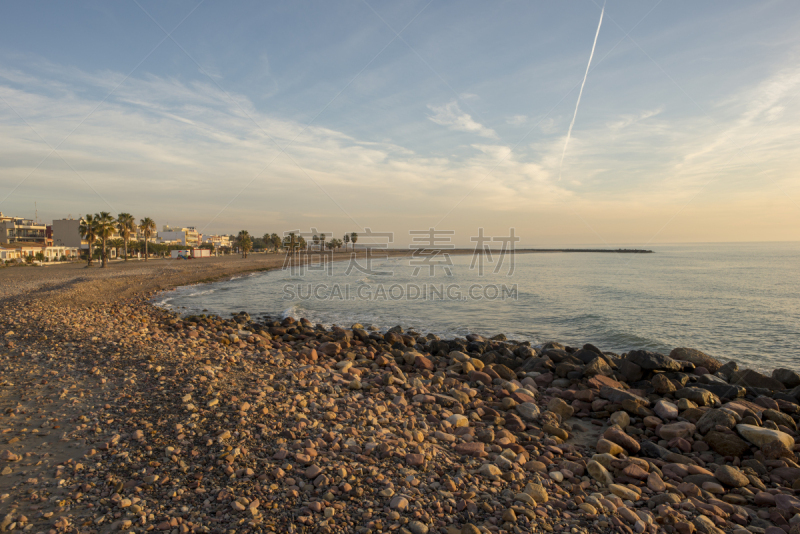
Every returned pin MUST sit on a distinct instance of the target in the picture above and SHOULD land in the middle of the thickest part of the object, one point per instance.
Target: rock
(458, 420)
(618, 436)
(759, 436)
(754, 379)
(787, 377)
(726, 444)
(598, 366)
(624, 492)
(731, 476)
(555, 431)
(652, 361)
(398, 503)
(561, 408)
(676, 430)
(777, 449)
(504, 372)
(528, 411)
(599, 473)
(609, 447)
(655, 483)
(417, 527)
(472, 448)
(701, 397)
(618, 396)
(698, 358)
(490, 470)
(537, 492)
(629, 371)
(621, 419)
(663, 385)
(712, 418)
(724, 391)
(779, 418)
(666, 410)
(9, 456)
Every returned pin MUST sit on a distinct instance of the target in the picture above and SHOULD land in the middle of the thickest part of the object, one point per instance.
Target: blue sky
(400, 116)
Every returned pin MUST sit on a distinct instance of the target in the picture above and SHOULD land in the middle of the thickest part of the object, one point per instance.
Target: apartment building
(187, 237)
(19, 230)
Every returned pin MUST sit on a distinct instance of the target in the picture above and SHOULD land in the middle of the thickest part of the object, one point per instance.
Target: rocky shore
(119, 416)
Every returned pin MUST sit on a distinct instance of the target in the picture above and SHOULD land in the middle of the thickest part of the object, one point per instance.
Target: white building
(219, 241)
(19, 230)
(188, 237)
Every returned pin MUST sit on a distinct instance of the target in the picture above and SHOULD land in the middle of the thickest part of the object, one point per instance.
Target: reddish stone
(473, 448)
(422, 362)
(600, 381)
(479, 376)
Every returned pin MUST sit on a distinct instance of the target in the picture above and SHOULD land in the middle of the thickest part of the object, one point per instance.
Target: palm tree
(353, 239)
(276, 242)
(244, 242)
(346, 241)
(105, 229)
(126, 225)
(267, 241)
(322, 240)
(88, 232)
(148, 227)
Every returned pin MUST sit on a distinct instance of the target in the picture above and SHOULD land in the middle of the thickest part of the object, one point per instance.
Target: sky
(401, 116)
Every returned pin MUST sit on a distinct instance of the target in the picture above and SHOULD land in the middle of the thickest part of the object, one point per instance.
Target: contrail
(578, 103)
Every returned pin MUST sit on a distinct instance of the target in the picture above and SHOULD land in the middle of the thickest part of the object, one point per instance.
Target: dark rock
(724, 391)
(712, 418)
(749, 378)
(617, 396)
(652, 361)
(701, 397)
(598, 366)
(629, 371)
(787, 377)
(727, 370)
(654, 450)
(663, 385)
(726, 444)
(696, 357)
(779, 418)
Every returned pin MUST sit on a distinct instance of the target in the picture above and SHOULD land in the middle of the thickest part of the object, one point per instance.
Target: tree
(126, 225)
(346, 240)
(148, 228)
(88, 232)
(276, 242)
(40, 257)
(105, 229)
(353, 239)
(244, 242)
(315, 239)
(322, 240)
(267, 238)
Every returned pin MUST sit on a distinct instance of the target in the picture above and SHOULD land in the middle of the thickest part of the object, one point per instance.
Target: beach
(121, 416)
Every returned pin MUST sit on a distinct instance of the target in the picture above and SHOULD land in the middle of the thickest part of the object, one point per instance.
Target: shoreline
(121, 415)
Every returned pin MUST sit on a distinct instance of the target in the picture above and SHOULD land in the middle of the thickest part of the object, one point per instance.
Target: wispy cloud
(517, 120)
(450, 115)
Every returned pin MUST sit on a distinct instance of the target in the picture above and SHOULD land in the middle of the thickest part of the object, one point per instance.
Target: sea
(733, 301)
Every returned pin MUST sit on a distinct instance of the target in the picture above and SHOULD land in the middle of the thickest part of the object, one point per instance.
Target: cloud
(450, 115)
(517, 120)
(628, 120)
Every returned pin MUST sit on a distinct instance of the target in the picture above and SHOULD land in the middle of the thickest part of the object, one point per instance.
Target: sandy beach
(119, 416)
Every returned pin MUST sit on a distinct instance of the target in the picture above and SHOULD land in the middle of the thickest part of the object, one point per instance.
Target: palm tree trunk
(126, 249)
(145, 247)
(103, 254)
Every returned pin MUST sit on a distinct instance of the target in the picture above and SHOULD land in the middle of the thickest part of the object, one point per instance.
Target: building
(19, 230)
(67, 233)
(187, 237)
(219, 241)
(19, 252)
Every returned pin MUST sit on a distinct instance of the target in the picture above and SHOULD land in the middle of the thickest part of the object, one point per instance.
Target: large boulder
(787, 377)
(712, 418)
(724, 391)
(701, 397)
(653, 361)
(618, 396)
(754, 379)
(598, 366)
(700, 359)
(759, 436)
(726, 444)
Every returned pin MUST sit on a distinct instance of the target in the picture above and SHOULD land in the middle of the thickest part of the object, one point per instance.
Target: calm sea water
(734, 301)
